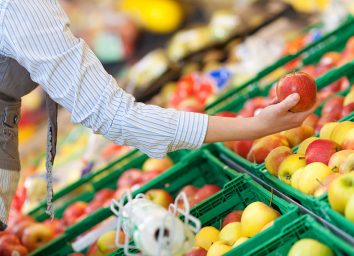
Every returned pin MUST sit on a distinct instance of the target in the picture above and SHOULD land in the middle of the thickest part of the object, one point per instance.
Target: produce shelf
(309, 54)
(197, 168)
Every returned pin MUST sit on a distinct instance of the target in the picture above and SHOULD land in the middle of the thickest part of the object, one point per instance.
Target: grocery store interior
(286, 193)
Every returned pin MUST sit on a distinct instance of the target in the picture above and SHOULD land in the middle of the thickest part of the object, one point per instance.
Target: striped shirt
(36, 33)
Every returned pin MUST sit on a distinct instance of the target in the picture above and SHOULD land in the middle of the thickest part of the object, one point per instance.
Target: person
(37, 47)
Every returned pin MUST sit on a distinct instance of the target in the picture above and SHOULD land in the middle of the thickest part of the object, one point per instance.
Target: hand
(277, 117)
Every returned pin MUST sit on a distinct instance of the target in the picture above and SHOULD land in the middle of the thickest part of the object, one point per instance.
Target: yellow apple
(340, 191)
(312, 177)
(348, 142)
(338, 158)
(323, 188)
(289, 166)
(231, 233)
(303, 146)
(218, 248)
(295, 178)
(327, 129)
(339, 132)
(268, 225)
(275, 157)
(298, 134)
(206, 237)
(255, 216)
(240, 241)
(310, 247)
(349, 98)
(348, 164)
(349, 209)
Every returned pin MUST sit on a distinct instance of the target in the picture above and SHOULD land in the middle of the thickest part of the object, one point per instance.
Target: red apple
(191, 105)
(190, 192)
(234, 216)
(309, 69)
(10, 246)
(300, 83)
(205, 192)
(103, 195)
(129, 178)
(119, 192)
(160, 165)
(147, 176)
(242, 147)
(197, 251)
(93, 250)
(256, 103)
(36, 236)
(73, 212)
(17, 229)
(330, 59)
(160, 197)
(333, 106)
(321, 150)
(57, 225)
(323, 95)
(348, 109)
(94, 205)
(227, 114)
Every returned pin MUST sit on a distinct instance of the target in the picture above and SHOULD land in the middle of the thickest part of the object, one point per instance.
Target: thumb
(289, 101)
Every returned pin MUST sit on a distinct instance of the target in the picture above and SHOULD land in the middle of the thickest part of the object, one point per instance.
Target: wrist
(257, 127)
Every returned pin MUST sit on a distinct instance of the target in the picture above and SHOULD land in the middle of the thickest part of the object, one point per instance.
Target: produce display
(249, 197)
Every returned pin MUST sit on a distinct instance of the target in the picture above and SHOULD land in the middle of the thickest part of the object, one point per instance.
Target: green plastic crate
(311, 202)
(326, 79)
(197, 168)
(236, 195)
(83, 184)
(303, 227)
(335, 218)
(107, 181)
(309, 54)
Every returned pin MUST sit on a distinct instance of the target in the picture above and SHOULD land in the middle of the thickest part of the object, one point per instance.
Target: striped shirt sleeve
(36, 33)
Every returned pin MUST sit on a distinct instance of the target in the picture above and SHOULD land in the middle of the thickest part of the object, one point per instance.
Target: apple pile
(194, 195)
(310, 247)
(237, 227)
(25, 235)
(318, 161)
(192, 93)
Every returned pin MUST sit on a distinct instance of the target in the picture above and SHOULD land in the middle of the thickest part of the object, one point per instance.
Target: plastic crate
(84, 184)
(333, 75)
(309, 54)
(108, 180)
(303, 227)
(311, 202)
(197, 168)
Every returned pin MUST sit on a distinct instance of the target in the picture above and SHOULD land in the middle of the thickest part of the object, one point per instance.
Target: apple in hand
(300, 83)
(321, 151)
(289, 166)
(310, 247)
(275, 157)
(205, 192)
(255, 216)
(340, 191)
(36, 236)
(129, 178)
(10, 245)
(160, 197)
(234, 216)
(73, 212)
(160, 165)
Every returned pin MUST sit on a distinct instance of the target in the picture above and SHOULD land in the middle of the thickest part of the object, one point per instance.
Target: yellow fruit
(310, 247)
(218, 249)
(312, 177)
(255, 216)
(240, 241)
(340, 131)
(340, 191)
(327, 129)
(289, 166)
(349, 209)
(206, 237)
(231, 233)
(296, 177)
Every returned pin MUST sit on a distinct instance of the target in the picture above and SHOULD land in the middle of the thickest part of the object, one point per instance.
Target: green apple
(289, 166)
(340, 191)
(310, 247)
(349, 209)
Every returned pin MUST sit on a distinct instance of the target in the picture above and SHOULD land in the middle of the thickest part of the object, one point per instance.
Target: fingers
(289, 102)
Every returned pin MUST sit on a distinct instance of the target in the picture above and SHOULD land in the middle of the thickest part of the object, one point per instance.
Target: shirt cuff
(191, 131)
